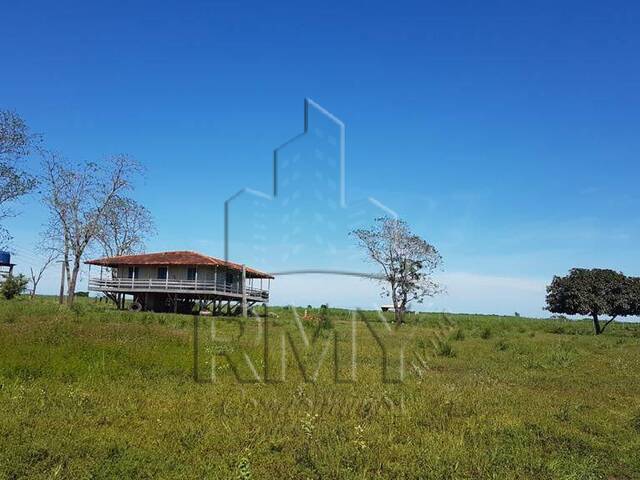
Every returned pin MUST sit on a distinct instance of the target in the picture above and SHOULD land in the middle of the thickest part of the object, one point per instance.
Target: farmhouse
(177, 281)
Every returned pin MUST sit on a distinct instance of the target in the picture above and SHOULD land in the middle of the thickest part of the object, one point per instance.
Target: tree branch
(607, 323)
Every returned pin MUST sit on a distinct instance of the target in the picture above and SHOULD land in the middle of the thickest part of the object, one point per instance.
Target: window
(191, 273)
(229, 277)
(134, 272)
(162, 273)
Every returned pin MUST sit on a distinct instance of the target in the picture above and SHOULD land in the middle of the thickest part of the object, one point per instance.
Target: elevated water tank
(5, 258)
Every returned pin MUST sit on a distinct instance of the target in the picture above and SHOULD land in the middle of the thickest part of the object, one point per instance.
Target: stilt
(244, 291)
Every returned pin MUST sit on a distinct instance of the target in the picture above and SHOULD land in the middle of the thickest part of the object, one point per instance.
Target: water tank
(5, 258)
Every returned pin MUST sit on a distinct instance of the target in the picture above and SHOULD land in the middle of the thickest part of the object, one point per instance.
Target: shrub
(13, 285)
(501, 345)
(244, 468)
(485, 333)
(635, 422)
(78, 309)
(557, 329)
(444, 349)
(560, 357)
(325, 320)
(458, 334)
(563, 414)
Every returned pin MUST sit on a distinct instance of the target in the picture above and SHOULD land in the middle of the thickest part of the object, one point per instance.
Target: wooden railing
(171, 285)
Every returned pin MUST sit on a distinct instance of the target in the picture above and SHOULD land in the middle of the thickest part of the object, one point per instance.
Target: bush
(635, 422)
(78, 309)
(444, 349)
(485, 333)
(13, 285)
(325, 320)
(557, 329)
(458, 334)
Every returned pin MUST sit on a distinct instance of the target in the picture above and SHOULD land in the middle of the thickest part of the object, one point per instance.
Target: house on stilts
(178, 281)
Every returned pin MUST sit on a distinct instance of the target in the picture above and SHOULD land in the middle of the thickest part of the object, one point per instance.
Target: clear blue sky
(506, 134)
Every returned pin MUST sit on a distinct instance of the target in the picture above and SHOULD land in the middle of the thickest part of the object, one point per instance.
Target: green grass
(90, 392)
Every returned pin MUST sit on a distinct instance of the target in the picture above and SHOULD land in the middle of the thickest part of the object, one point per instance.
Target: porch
(179, 286)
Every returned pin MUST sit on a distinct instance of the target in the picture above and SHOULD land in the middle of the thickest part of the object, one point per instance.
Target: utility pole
(61, 295)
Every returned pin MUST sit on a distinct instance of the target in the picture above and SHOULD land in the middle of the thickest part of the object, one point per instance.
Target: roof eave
(111, 263)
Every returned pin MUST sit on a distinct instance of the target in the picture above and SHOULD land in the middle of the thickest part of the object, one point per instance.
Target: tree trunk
(596, 323)
(67, 270)
(71, 289)
(33, 291)
(399, 311)
(398, 316)
(114, 297)
(397, 308)
(607, 323)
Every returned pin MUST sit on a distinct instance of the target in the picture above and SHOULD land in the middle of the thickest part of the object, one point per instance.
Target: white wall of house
(180, 272)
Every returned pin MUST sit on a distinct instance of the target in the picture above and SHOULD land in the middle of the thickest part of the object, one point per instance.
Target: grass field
(90, 392)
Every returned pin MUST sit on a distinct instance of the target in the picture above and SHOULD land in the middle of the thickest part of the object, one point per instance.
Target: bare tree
(36, 276)
(16, 142)
(407, 262)
(125, 227)
(78, 198)
(52, 243)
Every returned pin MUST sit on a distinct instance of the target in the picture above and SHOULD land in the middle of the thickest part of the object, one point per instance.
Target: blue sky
(505, 134)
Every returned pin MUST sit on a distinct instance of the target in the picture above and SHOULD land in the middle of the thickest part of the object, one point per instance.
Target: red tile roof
(174, 258)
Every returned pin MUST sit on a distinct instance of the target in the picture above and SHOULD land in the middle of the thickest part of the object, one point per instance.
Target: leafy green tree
(13, 285)
(594, 292)
(16, 143)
